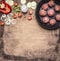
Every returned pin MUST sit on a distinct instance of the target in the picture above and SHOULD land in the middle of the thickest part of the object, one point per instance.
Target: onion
(34, 4)
(13, 21)
(29, 4)
(24, 8)
(23, 1)
(10, 2)
(8, 21)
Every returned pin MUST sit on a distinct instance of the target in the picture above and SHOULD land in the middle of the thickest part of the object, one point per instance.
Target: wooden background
(28, 39)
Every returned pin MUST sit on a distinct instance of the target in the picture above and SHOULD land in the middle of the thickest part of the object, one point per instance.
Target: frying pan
(38, 17)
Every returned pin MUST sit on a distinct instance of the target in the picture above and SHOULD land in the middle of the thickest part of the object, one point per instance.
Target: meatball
(57, 8)
(52, 22)
(42, 12)
(58, 17)
(45, 6)
(51, 12)
(51, 3)
(45, 19)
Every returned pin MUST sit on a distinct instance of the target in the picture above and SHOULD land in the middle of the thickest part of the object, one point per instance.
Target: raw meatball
(45, 6)
(57, 8)
(58, 17)
(52, 22)
(51, 3)
(42, 12)
(51, 12)
(45, 20)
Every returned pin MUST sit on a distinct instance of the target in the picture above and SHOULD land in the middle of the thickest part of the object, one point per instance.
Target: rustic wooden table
(27, 41)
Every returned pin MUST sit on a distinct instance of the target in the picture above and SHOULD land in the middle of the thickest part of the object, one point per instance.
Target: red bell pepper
(7, 8)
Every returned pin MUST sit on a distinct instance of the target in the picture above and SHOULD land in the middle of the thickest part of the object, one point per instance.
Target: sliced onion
(24, 8)
(11, 3)
(13, 21)
(33, 7)
(23, 1)
(8, 21)
(34, 3)
(29, 4)
(4, 15)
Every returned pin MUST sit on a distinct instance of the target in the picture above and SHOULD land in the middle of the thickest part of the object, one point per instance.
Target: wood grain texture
(28, 39)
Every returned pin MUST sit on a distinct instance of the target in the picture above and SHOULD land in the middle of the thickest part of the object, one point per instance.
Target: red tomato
(19, 14)
(29, 17)
(15, 15)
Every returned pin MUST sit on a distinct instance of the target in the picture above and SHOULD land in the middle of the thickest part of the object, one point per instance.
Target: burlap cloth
(28, 39)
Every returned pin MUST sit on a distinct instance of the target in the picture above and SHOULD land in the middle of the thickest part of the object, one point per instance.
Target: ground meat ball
(45, 6)
(51, 3)
(58, 17)
(52, 22)
(57, 8)
(42, 12)
(45, 19)
(51, 12)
